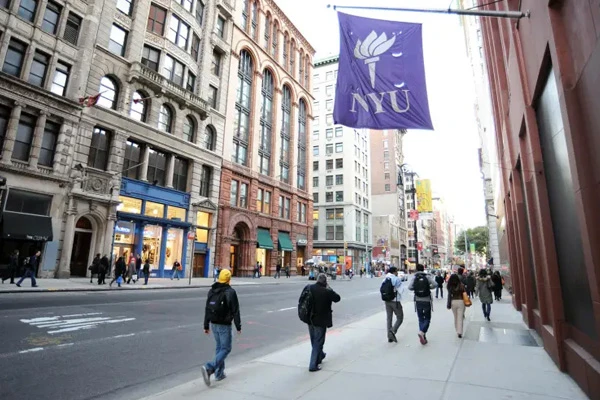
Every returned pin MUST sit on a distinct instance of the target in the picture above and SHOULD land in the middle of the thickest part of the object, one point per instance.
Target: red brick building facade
(544, 75)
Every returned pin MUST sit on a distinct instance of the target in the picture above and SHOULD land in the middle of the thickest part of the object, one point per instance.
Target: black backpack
(305, 305)
(421, 286)
(387, 290)
(216, 306)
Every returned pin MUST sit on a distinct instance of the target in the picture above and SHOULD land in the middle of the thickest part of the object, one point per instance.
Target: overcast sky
(448, 155)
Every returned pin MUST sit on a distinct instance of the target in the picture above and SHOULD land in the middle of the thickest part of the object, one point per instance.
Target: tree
(478, 236)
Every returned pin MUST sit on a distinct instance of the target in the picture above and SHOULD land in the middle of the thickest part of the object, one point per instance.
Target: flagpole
(478, 13)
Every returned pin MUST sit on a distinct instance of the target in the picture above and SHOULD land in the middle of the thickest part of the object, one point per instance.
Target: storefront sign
(124, 228)
(301, 240)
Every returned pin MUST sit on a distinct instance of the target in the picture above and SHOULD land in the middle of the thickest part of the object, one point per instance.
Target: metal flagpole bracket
(475, 13)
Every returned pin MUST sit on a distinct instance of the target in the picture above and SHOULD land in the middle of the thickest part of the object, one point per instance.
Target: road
(127, 345)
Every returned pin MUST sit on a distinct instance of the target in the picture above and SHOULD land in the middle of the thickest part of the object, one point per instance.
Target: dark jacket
(120, 267)
(13, 262)
(471, 283)
(95, 265)
(138, 263)
(104, 263)
(233, 312)
(146, 268)
(439, 280)
(322, 299)
(497, 280)
(33, 262)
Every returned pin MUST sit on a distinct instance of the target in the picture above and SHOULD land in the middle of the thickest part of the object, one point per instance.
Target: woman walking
(120, 269)
(484, 291)
(471, 284)
(456, 302)
(146, 271)
(497, 280)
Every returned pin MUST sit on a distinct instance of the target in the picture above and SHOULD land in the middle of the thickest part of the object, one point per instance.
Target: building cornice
(283, 17)
(327, 61)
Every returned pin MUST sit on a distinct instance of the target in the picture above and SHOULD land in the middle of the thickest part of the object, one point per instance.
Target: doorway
(234, 259)
(199, 262)
(80, 253)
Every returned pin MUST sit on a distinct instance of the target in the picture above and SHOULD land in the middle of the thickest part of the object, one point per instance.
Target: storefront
(151, 222)
(264, 246)
(201, 265)
(285, 247)
(301, 242)
(353, 258)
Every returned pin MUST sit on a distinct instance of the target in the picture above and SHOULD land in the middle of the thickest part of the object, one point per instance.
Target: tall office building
(341, 179)
(110, 132)
(264, 200)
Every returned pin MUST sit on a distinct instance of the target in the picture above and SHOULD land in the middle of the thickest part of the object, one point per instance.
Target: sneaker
(18, 285)
(488, 318)
(220, 378)
(316, 369)
(392, 336)
(460, 336)
(205, 375)
(422, 338)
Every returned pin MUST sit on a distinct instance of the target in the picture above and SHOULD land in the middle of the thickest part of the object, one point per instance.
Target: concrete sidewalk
(84, 285)
(495, 360)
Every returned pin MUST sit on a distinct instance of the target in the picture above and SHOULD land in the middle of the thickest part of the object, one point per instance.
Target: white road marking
(122, 336)
(281, 309)
(64, 345)
(31, 350)
(66, 323)
(91, 325)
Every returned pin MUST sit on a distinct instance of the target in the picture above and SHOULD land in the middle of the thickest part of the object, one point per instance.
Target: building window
(71, 34)
(132, 160)
(216, 62)
(117, 41)
(286, 128)
(339, 163)
(386, 155)
(187, 4)
(315, 165)
(315, 150)
(329, 105)
(195, 47)
(189, 129)
(124, 6)
(46, 157)
(190, 86)
(27, 9)
(254, 21)
(266, 123)
(22, 145)
(51, 17)
(315, 181)
(165, 118)
(329, 232)
(301, 212)
(329, 90)
(28, 202)
(329, 119)
(267, 203)
(339, 179)
(150, 57)
(4, 117)
(173, 70)
(387, 187)
(339, 131)
(220, 27)
(39, 69)
(205, 181)
(243, 105)
(267, 36)
(316, 232)
(179, 32)
(156, 20)
(243, 202)
(315, 197)
(213, 96)
(386, 176)
(199, 12)
(138, 106)
(180, 174)
(329, 165)
(339, 196)
(13, 62)
(209, 138)
(329, 180)
(316, 120)
(108, 93)
(329, 149)
(280, 206)
(386, 165)
(61, 77)
(301, 135)
(286, 209)
(157, 168)
(328, 133)
(259, 199)
(329, 197)
(99, 149)
(275, 42)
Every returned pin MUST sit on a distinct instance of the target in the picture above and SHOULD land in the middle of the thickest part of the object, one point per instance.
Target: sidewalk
(84, 285)
(495, 360)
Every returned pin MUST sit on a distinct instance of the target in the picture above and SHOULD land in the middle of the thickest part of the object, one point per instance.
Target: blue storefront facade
(152, 222)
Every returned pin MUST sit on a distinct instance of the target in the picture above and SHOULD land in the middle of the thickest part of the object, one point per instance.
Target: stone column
(61, 151)
(109, 233)
(64, 266)
(115, 158)
(144, 167)
(36, 144)
(170, 171)
(11, 133)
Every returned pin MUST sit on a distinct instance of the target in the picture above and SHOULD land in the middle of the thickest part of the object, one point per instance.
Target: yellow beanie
(224, 276)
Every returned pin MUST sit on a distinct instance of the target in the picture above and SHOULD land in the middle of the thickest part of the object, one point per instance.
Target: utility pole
(466, 247)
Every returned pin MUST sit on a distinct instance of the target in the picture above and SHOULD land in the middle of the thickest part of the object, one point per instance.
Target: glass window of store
(176, 213)
(129, 205)
(174, 247)
(203, 223)
(151, 245)
(155, 210)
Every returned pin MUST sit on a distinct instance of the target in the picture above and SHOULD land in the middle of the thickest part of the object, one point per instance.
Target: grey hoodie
(432, 285)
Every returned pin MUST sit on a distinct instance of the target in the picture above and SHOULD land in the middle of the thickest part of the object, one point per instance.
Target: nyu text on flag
(381, 78)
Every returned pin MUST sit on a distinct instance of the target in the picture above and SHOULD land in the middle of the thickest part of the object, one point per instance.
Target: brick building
(543, 72)
(264, 207)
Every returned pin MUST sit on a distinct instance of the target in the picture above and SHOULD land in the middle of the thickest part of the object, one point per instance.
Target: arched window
(275, 41)
(189, 129)
(254, 21)
(139, 107)
(306, 72)
(243, 105)
(301, 65)
(267, 32)
(286, 128)
(266, 123)
(165, 119)
(286, 50)
(108, 93)
(245, 10)
(209, 138)
(301, 166)
(293, 59)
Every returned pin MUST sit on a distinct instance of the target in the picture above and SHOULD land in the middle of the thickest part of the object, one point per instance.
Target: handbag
(467, 300)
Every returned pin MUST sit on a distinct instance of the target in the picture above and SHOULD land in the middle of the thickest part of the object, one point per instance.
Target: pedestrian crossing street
(74, 322)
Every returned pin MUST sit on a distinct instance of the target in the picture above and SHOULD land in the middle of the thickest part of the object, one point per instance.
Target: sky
(448, 155)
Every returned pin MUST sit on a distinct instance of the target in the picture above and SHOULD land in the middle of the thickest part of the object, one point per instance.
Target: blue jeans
(439, 290)
(222, 335)
(487, 309)
(317, 340)
(424, 314)
(175, 274)
(28, 274)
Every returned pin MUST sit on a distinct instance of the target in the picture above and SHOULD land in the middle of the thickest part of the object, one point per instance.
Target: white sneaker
(205, 375)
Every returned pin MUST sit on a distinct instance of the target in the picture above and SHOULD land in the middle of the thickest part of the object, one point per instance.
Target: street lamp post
(412, 191)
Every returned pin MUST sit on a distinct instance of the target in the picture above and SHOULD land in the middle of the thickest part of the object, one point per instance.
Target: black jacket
(13, 263)
(146, 268)
(497, 282)
(471, 283)
(439, 280)
(322, 299)
(233, 306)
(104, 263)
(138, 263)
(120, 267)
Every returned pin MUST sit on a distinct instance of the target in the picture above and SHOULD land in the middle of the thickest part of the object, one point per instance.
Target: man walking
(391, 289)
(30, 269)
(175, 270)
(277, 271)
(439, 289)
(104, 267)
(321, 319)
(422, 284)
(222, 308)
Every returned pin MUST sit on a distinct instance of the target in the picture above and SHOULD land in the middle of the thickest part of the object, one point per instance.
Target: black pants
(101, 277)
(10, 274)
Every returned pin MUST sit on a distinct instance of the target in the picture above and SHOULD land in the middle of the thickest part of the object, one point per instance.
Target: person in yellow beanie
(222, 308)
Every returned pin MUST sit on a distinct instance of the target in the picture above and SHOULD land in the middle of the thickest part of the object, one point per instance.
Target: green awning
(283, 242)
(263, 237)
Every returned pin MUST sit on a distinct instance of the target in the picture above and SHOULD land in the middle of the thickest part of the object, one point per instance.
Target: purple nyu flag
(381, 77)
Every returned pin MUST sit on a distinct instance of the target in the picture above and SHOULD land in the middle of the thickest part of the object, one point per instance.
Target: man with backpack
(391, 295)
(314, 309)
(422, 284)
(222, 308)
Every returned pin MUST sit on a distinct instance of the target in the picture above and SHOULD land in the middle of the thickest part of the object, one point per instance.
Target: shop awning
(283, 242)
(21, 226)
(264, 239)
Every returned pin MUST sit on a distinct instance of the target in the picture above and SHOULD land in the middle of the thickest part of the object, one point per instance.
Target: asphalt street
(127, 345)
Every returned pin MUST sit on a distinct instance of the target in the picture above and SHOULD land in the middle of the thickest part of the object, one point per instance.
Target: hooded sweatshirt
(484, 289)
(233, 306)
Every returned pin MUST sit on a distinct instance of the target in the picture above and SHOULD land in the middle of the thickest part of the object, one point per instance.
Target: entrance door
(80, 253)
(199, 260)
(234, 258)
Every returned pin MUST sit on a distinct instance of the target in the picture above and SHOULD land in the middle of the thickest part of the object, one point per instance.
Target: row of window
(339, 163)
(329, 76)
(339, 180)
(339, 197)
(339, 148)
(339, 132)
(329, 91)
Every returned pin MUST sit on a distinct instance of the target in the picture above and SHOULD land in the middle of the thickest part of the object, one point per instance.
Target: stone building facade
(109, 113)
(264, 206)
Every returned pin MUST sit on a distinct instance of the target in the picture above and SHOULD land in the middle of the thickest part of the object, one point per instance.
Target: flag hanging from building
(424, 203)
(89, 101)
(381, 77)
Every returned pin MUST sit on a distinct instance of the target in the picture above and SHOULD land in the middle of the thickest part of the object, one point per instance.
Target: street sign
(420, 246)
